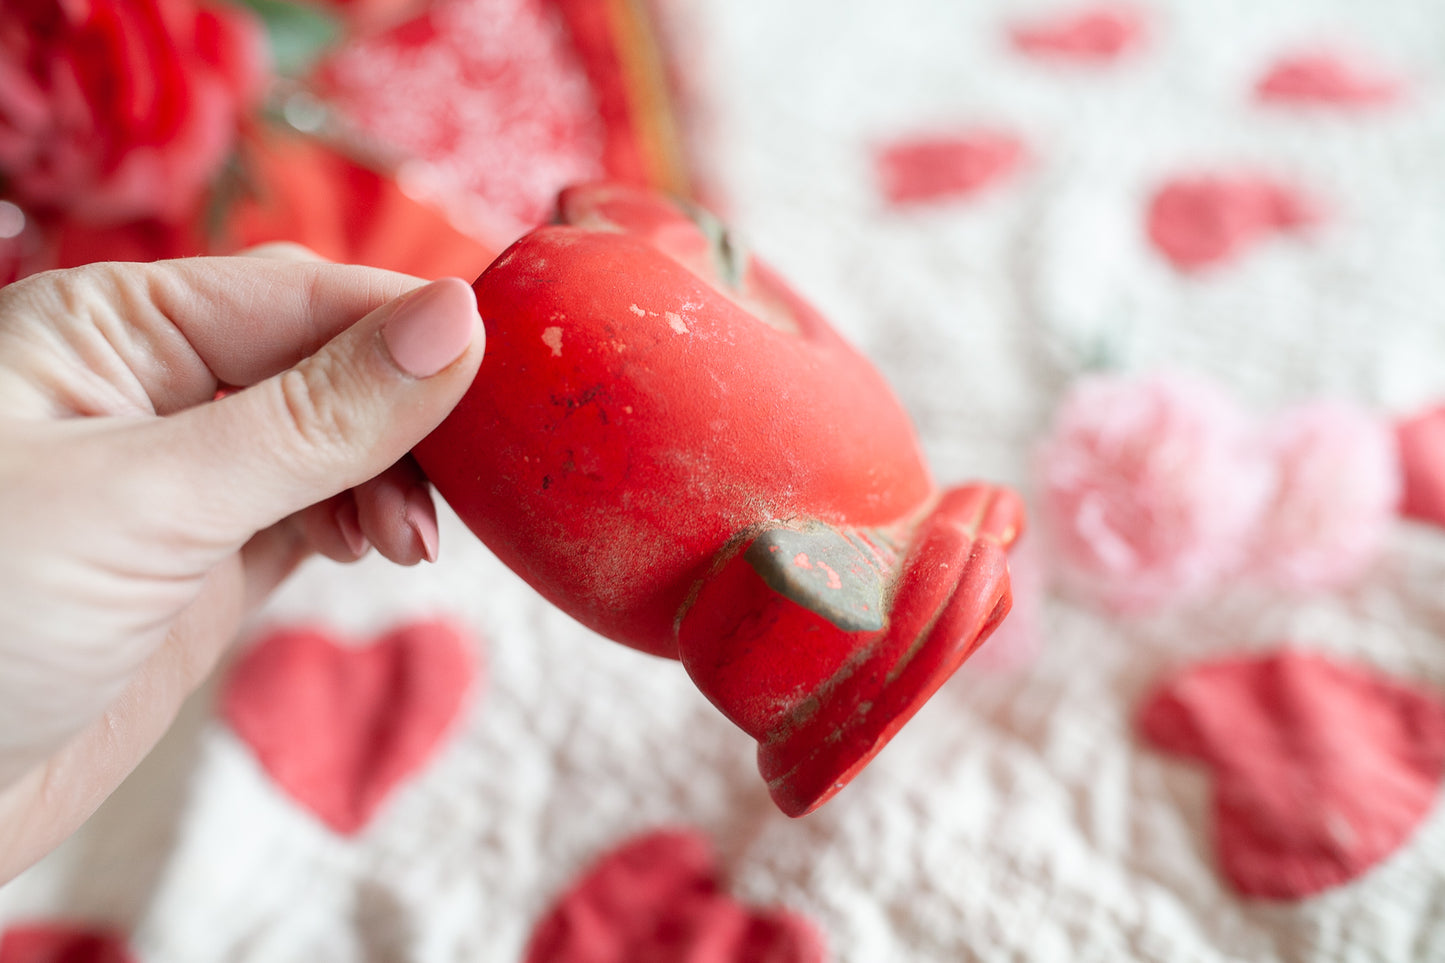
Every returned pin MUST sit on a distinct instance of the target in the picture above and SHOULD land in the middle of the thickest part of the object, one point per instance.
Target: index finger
(166, 335)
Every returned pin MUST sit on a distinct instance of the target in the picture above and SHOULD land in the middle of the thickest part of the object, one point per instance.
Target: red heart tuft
(339, 727)
(1199, 221)
(1326, 78)
(657, 899)
(1421, 442)
(62, 943)
(1092, 34)
(926, 169)
(1322, 770)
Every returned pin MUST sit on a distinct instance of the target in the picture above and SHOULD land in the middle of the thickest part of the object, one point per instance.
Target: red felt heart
(61, 943)
(339, 727)
(1324, 77)
(926, 169)
(1199, 221)
(1322, 769)
(658, 899)
(1421, 442)
(1092, 34)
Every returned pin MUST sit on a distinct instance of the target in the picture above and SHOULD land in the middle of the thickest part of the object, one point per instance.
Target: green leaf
(299, 33)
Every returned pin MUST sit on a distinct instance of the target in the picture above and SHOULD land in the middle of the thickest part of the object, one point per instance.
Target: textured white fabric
(1017, 818)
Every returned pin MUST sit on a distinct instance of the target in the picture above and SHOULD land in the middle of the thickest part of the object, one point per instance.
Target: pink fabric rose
(113, 110)
(1150, 488)
(1336, 492)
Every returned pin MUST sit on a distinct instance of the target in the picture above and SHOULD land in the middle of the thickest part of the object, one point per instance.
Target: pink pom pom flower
(1150, 488)
(1337, 488)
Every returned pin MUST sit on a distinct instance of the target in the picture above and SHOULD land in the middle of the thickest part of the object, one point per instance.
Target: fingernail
(348, 519)
(432, 327)
(421, 515)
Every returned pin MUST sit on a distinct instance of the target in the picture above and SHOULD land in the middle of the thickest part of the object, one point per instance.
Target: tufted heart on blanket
(1322, 769)
(54, 942)
(1091, 34)
(340, 727)
(1327, 78)
(1200, 221)
(659, 898)
(926, 169)
(1421, 440)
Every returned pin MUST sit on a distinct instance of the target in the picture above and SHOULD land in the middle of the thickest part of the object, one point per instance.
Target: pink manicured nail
(432, 327)
(421, 515)
(348, 519)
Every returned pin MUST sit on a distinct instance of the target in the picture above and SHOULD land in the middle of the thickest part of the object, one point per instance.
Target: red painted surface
(340, 727)
(62, 943)
(1421, 440)
(1096, 34)
(639, 421)
(1197, 222)
(658, 898)
(926, 169)
(1322, 769)
(1329, 79)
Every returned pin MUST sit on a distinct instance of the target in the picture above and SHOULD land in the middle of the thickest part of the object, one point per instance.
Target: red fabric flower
(114, 110)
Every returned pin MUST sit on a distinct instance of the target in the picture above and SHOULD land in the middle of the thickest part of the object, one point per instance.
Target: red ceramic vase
(671, 446)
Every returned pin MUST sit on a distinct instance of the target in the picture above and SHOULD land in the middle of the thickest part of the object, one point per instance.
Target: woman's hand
(141, 519)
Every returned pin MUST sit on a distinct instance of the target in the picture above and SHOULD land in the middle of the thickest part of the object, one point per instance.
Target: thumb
(331, 421)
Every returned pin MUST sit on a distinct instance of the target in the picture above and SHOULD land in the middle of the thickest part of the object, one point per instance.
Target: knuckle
(316, 411)
(97, 295)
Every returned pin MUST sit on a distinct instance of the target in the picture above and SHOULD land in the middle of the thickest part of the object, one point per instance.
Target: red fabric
(1421, 439)
(338, 727)
(1200, 221)
(75, 243)
(1325, 78)
(56, 241)
(307, 193)
(658, 898)
(1093, 34)
(298, 190)
(61, 943)
(1322, 769)
(926, 169)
